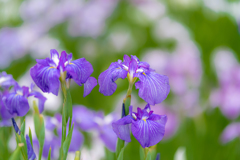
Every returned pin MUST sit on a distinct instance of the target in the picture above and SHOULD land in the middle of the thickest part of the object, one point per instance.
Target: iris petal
(153, 87)
(89, 85)
(147, 132)
(54, 56)
(80, 70)
(107, 78)
(46, 78)
(121, 128)
(132, 67)
(16, 104)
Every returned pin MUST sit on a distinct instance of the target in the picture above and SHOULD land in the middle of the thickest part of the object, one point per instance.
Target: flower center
(144, 118)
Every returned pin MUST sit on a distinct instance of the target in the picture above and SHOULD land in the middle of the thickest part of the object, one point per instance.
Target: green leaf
(49, 153)
(67, 110)
(24, 148)
(39, 128)
(23, 126)
(141, 153)
(30, 136)
(120, 145)
(21, 140)
(77, 155)
(148, 156)
(16, 154)
(66, 144)
(67, 103)
(120, 157)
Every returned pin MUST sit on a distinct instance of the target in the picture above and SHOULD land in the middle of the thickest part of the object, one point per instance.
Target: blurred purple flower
(147, 128)
(90, 18)
(228, 93)
(46, 72)
(16, 102)
(88, 120)
(6, 80)
(153, 87)
(231, 132)
(184, 70)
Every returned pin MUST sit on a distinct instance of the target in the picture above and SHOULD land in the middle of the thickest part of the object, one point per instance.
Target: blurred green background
(209, 28)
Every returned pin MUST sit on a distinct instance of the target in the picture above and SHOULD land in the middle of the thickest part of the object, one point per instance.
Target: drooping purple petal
(46, 78)
(16, 104)
(80, 70)
(148, 132)
(41, 100)
(107, 79)
(153, 87)
(109, 138)
(121, 128)
(89, 85)
(30, 152)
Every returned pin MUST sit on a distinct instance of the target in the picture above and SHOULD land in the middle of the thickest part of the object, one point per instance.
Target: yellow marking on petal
(51, 67)
(70, 63)
(144, 74)
(144, 120)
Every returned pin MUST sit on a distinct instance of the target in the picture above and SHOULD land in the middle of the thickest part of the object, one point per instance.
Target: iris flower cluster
(146, 127)
(58, 70)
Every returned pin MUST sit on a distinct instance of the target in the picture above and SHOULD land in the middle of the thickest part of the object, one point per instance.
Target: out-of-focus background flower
(196, 43)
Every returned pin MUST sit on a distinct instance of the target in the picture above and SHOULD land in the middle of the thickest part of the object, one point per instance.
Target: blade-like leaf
(120, 157)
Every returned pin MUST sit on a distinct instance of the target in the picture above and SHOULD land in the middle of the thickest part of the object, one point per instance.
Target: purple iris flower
(16, 102)
(30, 152)
(147, 128)
(226, 96)
(6, 80)
(88, 120)
(47, 72)
(153, 87)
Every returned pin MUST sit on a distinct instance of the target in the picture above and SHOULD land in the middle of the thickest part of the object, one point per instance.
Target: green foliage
(66, 144)
(39, 128)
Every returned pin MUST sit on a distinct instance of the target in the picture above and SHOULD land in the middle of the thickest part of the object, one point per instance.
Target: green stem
(40, 153)
(145, 152)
